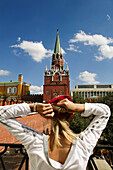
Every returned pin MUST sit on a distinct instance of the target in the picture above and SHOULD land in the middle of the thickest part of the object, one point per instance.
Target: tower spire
(57, 49)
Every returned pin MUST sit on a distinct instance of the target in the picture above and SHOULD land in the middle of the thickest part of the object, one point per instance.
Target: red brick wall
(52, 91)
(37, 122)
(50, 85)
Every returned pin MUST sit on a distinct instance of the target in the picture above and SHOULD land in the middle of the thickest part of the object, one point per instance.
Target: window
(88, 94)
(14, 90)
(47, 92)
(54, 89)
(91, 93)
(62, 92)
(85, 95)
(103, 93)
(53, 57)
(9, 90)
(82, 94)
(57, 56)
(85, 86)
(100, 93)
(97, 93)
(103, 86)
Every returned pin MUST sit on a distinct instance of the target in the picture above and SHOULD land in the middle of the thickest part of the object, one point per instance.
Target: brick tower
(56, 79)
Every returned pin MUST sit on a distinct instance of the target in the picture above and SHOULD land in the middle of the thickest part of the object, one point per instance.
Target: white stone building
(92, 90)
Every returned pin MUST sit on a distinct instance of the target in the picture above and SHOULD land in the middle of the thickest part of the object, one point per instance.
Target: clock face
(55, 94)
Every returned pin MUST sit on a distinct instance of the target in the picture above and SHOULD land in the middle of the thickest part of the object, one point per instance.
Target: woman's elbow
(107, 110)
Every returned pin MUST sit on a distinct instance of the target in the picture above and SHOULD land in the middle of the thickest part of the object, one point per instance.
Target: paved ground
(102, 164)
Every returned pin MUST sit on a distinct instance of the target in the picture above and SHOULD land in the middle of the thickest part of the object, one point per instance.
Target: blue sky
(28, 32)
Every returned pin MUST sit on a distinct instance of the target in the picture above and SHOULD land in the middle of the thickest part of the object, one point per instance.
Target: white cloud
(95, 39)
(108, 17)
(36, 90)
(17, 53)
(88, 78)
(34, 49)
(99, 58)
(106, 51)
(19, 39)
(73, 48)
(4, 73)
(62, 51)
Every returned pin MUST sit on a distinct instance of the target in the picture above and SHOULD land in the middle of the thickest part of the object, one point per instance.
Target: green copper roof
(57, 49)
(11, 82)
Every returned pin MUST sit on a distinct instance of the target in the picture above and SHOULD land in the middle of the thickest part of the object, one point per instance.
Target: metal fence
(17, 148)
(24, 163)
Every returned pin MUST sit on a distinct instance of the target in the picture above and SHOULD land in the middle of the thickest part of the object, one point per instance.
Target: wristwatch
(35, 104)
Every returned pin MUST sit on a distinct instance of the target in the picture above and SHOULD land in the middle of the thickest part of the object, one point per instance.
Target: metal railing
(25, 160)
(97, 158)
(20, 147)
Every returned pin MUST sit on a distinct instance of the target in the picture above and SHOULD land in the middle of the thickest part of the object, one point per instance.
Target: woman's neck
(59, 153)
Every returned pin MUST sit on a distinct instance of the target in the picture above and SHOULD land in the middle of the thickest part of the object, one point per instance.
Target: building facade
(14, 89)
(88, 91)
(56, 79)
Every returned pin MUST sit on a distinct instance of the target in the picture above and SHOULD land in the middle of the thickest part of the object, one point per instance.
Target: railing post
(27, 162)
(2, 161)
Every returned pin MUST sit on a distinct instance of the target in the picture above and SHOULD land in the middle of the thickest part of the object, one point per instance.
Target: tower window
(62, 92)
(53, 57)
(47, 92)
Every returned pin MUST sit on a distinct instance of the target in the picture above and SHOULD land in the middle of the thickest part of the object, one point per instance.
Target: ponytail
(61, 127)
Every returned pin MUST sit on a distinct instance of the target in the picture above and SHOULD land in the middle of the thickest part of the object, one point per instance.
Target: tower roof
(57, 49)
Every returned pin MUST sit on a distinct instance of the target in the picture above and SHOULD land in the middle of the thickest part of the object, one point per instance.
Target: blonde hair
(60, 126)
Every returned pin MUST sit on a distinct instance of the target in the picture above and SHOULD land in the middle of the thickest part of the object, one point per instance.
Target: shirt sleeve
(93, 132)
(22, 132)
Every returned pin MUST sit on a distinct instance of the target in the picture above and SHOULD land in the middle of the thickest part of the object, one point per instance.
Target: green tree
(5, 96)
(79, 123)
(78, 98)
(108, 132)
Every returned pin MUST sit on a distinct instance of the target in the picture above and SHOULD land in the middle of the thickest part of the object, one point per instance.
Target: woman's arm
(44, 110)
(19, 130)
(71, 107)
(92, 133)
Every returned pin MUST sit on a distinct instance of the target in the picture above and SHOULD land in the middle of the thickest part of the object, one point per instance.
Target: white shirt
(36, 143)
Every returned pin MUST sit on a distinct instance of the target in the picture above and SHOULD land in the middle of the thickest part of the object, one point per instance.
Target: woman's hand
(44, 110)
(70, 106)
